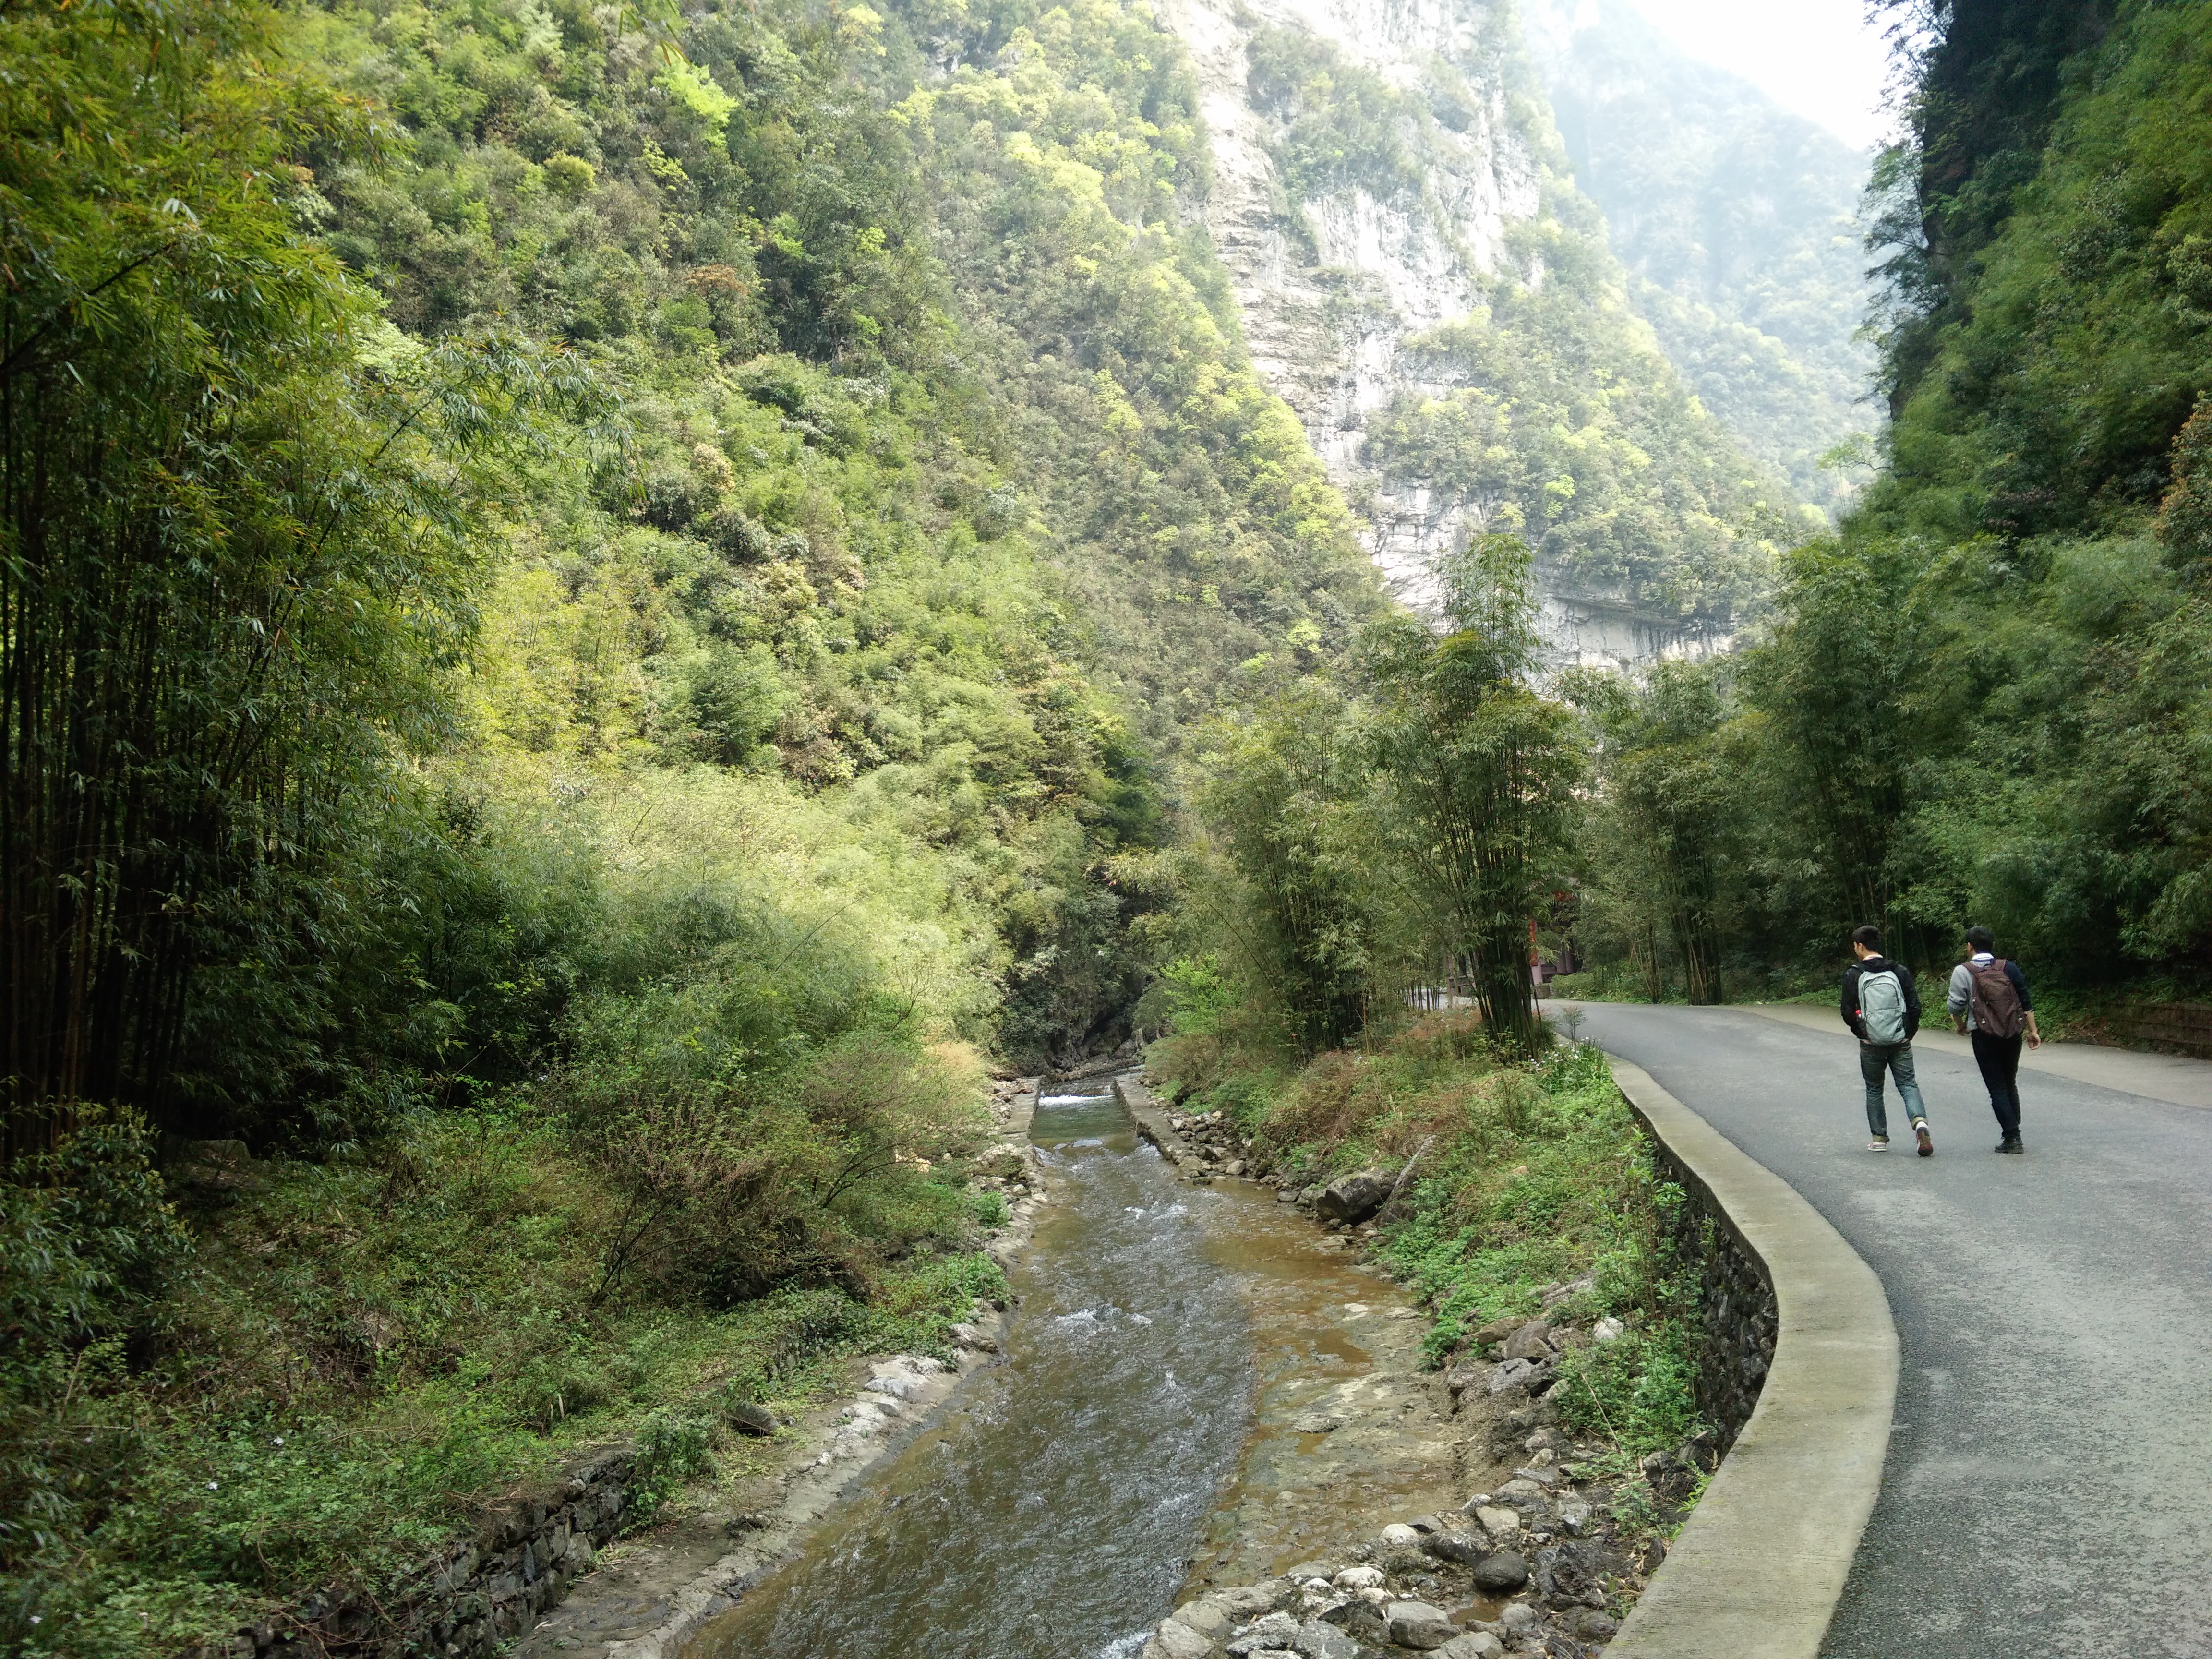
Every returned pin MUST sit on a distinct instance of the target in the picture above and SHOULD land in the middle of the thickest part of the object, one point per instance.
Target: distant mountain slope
(1736, 221)
(1418, 275)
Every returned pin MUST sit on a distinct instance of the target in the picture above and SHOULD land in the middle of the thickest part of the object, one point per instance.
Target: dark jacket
(1880, 965)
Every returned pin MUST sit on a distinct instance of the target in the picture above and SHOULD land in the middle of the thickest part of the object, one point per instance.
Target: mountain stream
(1152, 1424)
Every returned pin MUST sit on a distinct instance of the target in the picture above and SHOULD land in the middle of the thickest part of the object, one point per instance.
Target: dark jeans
(1895, 1058)
(1999, 1059)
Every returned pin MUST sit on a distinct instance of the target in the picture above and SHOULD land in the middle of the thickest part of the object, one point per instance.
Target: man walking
(1989, 999)
(1882, 1007)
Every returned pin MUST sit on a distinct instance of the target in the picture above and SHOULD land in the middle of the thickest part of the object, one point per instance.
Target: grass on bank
(1535, 1176)
(330, 1376)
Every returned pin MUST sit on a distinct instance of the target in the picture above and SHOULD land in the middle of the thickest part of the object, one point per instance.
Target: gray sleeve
(1961, 996)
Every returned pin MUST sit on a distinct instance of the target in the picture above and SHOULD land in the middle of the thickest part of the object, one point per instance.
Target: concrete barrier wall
(1757, 1569)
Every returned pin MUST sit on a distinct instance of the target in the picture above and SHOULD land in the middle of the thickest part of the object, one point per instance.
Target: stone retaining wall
(1736, 1299)
(477, 1594)
(2181, 1027)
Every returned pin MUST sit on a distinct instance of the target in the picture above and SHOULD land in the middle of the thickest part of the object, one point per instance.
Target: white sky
(1817, 57)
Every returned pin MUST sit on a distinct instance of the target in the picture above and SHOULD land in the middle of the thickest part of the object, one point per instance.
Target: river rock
(1512, 1374)
(896, 1384)
(1519, 1616)
(1278, 1632)
(1574, 1575)
(1498, 1523)
(746, 1418)
(1251, 1601)
(1354, 1198)
(1607, 1329)
(1358, 1579)
(1501, 1573)
(1361, 1619)
(1320, 1640)
(1451, 1546)
(1398, 1532)
(1418, 1625)
(1475, 1645)
(1206, 1615)
(1530, 1341)
(1176, 1640)
(1286, 1196)
(1498, 1329)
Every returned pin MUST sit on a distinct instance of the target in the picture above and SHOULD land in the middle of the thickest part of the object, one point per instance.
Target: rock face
(1354, 1198)
(1333, 288)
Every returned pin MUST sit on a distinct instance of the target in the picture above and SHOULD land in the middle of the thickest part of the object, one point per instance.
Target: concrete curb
(1759, 1568)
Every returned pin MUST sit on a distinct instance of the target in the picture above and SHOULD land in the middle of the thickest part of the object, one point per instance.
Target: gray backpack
(1882, 1006)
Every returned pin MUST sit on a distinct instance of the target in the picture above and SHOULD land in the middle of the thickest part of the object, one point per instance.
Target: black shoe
(2010, 1144)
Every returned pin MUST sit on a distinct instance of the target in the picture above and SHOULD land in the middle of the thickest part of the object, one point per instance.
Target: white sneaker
(1878, 1145)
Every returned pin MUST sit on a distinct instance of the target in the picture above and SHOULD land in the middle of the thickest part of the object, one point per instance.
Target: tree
(1478, 770)
(1664, 817)
(240, 523)
(1836, 684)
(1282, 787)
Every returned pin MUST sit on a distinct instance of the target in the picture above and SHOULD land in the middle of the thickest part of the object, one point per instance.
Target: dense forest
(601, 611)
(1982, 700)
(595, 606)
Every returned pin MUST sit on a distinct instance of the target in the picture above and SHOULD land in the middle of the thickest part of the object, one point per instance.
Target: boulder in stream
(1418, 1625)
(1500, 1574)
(1354, 1198)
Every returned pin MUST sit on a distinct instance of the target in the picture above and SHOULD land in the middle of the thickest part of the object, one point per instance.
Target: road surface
(2049, 1487)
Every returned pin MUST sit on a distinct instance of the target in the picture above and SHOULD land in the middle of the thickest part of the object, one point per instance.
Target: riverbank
(652, 1593)
(391, 1409)
(1546, 1424)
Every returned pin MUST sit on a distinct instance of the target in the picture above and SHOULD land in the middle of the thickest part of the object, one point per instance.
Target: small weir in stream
(1048, 1512)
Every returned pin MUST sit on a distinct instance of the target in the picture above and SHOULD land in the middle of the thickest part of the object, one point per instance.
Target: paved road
(2049, 1488)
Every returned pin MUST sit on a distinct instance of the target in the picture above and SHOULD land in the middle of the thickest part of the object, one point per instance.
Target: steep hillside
(1737, 222)
(1423, 283)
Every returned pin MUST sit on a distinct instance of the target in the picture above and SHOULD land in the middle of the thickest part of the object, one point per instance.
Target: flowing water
(1049, 1513)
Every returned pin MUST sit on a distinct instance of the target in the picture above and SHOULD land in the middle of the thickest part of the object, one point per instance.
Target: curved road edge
(1757, 1569)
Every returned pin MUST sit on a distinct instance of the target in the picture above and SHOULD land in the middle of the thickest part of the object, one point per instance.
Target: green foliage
(1285, 792)
(1662, 836)
(1343, 126)
(1545, 410)
(1477, 771)
(1564, 427)
(1640, 1391)
(1735, 219)
(1198, 995)
(243, 523)
(1982, 701)
(357, 1352)
(88, 1247)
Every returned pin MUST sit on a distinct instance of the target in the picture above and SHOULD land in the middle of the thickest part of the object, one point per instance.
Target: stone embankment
(1554, 1541)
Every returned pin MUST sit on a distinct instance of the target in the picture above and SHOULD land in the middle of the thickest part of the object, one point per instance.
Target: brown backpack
(1996, 1004)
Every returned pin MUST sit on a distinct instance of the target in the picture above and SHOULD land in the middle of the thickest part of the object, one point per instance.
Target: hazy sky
(1815, 56)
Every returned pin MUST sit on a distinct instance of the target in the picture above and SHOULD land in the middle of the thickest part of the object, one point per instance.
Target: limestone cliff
(1422, 283)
